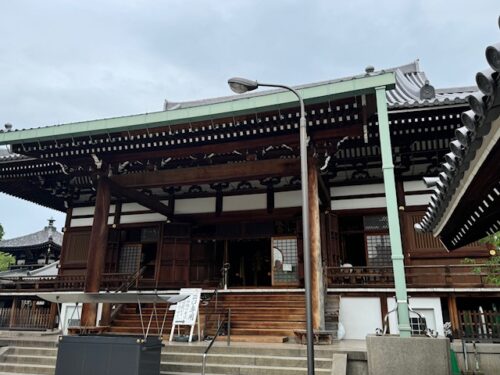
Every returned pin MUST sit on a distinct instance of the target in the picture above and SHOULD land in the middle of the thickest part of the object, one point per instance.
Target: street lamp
(240, 86)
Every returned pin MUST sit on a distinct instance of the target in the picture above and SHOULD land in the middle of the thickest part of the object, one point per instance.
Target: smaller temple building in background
(34, 250)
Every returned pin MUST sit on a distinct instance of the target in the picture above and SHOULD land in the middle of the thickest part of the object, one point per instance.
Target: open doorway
(250, 262)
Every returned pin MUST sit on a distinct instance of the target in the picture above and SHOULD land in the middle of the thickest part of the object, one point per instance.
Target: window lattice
(130, 259)
(285, 261)
(379, 250)
(418, 325)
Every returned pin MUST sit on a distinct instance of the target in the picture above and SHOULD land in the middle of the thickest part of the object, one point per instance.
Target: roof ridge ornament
(427, 91)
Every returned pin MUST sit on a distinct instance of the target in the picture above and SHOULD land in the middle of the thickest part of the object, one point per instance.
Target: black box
(108, 355)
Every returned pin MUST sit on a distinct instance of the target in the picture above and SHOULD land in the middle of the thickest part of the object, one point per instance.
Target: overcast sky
(64, 61)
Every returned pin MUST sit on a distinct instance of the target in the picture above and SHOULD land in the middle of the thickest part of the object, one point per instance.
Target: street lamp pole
(239, 86)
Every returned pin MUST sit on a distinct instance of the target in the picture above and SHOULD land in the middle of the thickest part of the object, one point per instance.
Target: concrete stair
(244, 360)
(28, 357)
(39, 357)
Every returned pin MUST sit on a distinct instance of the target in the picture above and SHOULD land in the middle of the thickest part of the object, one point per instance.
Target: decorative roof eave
(49, 235)
(240, 104)
(429, 103)
(473, 144)
(53, 245)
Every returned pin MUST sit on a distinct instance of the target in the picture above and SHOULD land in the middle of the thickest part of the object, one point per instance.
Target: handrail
(133, 279)
(222, 284)
(221, 324)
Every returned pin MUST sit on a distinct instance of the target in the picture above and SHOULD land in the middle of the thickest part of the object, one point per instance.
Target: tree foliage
(6, 260)
(490, 268)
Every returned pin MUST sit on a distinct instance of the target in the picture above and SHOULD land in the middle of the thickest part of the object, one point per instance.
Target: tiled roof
(410, 82)
(407, 93)
(412, 90)
(48, 235)
(480, 125)
(51, 269)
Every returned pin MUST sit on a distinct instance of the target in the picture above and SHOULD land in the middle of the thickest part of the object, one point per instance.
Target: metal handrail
(221, 324)
(133, 279)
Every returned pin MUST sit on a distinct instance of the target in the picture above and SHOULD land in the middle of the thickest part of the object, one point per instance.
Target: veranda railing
(479, 326)
(458, 275)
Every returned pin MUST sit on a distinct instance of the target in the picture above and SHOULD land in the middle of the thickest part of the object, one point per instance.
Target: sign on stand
(187, 312)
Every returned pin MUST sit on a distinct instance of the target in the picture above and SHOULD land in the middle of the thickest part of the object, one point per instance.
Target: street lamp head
(242, 85)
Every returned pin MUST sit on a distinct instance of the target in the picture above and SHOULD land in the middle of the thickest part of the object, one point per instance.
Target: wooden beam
(144, 200)
(214, 173)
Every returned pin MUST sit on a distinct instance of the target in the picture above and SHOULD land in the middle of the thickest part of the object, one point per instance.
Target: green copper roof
(202, 110)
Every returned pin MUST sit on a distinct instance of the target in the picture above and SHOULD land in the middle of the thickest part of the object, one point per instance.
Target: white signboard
(186, 311)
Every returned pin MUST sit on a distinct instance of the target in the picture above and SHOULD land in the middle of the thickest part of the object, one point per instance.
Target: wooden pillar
(105, 315)
(52, 316)
(97, 250)
(317, 286)
(13, 311)
(453, 311)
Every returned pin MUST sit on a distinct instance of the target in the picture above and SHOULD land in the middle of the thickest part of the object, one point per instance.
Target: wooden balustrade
(27, 317)
(423, 276)
(479, 326)
(110, 281)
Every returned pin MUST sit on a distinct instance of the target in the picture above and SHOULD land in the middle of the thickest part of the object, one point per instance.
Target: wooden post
(52, 316)
(317, 286)
(453, 311)
(105, 315)
(13, 310)
(97, 250)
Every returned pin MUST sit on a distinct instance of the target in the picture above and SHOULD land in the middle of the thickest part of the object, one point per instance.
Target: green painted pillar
(393, 214)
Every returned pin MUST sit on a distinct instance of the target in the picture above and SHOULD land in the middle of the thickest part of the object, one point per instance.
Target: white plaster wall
(430, 307)
(347, 204)
(360, 316)
(343, 191)
(69, 311)
(142, 218)
(417, 200)
(195, 205)
(73, 311)
(415, 186)
(87, 222)
(285, 199)
(244, 202)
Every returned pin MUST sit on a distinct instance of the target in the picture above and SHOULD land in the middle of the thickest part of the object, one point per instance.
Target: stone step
(246, 360)
(238, 369)
(36, 351)
(29, 359)
(256, 339)
(260, 350)
(29, 343)
(20, 368)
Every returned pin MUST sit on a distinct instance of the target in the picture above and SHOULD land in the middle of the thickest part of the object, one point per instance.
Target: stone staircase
(28, 357)
(39, 357)
(249, 360)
